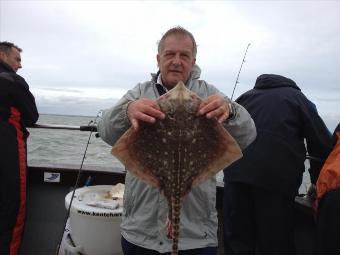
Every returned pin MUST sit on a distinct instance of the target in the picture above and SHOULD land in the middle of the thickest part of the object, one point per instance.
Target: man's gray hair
(7, 46)
(178, 31)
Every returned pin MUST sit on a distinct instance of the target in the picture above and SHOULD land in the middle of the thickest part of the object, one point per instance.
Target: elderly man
(145, 209)
(17, 111)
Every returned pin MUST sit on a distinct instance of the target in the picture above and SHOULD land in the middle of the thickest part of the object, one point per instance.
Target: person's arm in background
(25, 102)
(318, 139)
(335, 137)
(19, 96)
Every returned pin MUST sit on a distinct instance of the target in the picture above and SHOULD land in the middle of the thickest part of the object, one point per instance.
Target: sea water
(56, 146)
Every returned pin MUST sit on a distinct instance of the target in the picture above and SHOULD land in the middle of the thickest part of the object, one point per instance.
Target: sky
(82, 56)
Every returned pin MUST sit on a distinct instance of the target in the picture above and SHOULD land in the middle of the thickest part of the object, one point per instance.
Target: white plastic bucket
(94, 230)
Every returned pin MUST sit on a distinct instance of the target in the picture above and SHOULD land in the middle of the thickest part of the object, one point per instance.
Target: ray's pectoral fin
(225, 151)
(123, 151)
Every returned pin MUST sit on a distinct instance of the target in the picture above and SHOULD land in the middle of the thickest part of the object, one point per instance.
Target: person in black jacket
(17, 111)
(260, 188)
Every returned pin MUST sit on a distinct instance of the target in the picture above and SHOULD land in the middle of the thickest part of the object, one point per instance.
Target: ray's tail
(173, 223)
(176, 209)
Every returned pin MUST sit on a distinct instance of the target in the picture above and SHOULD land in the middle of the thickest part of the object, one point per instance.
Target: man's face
(176, 60)
(12, 59)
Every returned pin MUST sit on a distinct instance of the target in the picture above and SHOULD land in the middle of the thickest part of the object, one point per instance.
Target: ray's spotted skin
(178, 152)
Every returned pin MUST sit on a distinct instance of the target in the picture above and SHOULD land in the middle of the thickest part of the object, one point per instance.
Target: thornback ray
(178, 152)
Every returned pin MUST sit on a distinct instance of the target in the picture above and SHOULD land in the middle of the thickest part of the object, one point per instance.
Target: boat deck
(46, 213)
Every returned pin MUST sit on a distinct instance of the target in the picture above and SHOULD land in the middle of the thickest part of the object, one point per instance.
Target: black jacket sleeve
(25, 102)
(318, 139)
(335, 137)
(14, 92)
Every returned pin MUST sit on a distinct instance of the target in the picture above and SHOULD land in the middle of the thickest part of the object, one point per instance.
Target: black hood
(267, 81)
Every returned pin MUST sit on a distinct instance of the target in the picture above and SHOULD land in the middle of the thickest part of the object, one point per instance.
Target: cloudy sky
(81, 56)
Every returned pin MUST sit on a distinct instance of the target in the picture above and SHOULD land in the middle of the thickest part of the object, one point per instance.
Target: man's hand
(215, 106)
(144, 109)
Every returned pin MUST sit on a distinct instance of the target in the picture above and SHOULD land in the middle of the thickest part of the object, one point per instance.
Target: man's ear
(158, 59)
(2, 56)
(194, 62)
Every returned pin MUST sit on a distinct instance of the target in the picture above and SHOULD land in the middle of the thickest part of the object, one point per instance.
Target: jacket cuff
(125, 112)
(232, 109)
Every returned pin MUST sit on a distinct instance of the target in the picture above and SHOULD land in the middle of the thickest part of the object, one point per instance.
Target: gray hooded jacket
(145, 209)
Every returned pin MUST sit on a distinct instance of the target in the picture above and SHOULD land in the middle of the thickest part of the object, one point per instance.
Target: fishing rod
(89, 127)
(92, 128)
(238, 75)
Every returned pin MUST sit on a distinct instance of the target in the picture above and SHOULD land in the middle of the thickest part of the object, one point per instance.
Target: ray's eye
(171, 112)
(190, 107)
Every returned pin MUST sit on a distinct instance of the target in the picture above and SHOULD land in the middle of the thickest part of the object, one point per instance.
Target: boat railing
(92, 128)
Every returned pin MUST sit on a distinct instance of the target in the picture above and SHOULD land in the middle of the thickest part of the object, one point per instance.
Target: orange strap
(19, 225)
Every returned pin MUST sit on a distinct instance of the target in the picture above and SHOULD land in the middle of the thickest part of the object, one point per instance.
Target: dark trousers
(328, 224)
(257, 221)
(12, 191)
(131, 249)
